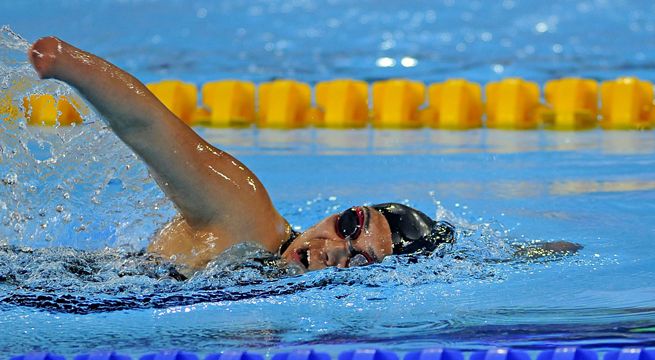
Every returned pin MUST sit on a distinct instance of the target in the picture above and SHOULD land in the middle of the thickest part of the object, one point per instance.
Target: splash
(11, 46)
(76, 186)
(65, 279)
(76, 205)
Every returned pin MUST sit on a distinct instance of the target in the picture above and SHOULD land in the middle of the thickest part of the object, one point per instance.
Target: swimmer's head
(363, 235)
(414, 232)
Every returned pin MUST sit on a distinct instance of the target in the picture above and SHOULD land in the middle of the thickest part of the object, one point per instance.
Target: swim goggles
(349, 227)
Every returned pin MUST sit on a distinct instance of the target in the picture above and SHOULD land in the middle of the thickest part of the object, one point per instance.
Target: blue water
(79, 203)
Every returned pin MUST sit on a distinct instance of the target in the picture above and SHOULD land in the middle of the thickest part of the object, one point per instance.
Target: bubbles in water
(71, 186)
(113, 279)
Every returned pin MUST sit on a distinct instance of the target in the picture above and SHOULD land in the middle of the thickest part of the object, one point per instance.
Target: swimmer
(220, 201)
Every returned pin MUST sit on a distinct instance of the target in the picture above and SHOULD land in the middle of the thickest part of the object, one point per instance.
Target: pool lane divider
(560, 353)
(455, 104)
(48, 110)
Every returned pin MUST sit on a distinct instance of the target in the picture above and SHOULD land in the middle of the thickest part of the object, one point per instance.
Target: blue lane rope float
(368, 354)
(102, 355)
(302, 355)
(234, 355)
(630, 353)
(435, 354)
(500, 353)
(568, 353)
(170, 355)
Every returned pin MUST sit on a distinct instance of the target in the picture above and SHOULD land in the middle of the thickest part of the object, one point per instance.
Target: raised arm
(213, 191)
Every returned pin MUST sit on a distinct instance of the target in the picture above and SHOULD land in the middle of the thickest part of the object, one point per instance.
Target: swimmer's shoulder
(189, 247)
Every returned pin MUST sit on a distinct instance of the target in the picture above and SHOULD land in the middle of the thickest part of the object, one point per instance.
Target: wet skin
(220, 201)
(321, 246)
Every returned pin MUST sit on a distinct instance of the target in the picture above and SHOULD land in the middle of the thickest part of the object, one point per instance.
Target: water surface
(77, 206)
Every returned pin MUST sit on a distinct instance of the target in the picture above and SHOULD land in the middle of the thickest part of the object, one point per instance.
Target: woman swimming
(220, 201)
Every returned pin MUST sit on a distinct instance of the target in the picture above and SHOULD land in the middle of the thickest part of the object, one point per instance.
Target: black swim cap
(414, 232)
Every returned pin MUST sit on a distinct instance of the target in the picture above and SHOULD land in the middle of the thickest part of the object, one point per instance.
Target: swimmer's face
(355, 237)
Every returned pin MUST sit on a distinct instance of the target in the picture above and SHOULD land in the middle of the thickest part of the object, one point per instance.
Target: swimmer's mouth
(303, 257)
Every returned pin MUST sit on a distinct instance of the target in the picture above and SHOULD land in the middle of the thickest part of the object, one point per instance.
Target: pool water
(76, 205)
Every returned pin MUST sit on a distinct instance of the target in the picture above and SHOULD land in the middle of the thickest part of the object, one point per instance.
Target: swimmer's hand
(540, 250)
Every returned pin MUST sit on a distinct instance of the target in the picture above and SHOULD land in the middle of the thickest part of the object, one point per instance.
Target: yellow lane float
(574, 103)
(8, 110)
(180, 98)
(513, 104)
(627, 103)
(455, 104)
(230, 103)
(396, 103)
(45, 109)
(344, 103)
(284, 104)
